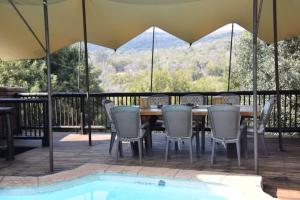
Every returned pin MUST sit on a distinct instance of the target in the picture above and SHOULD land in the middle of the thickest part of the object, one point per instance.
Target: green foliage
(179, 69)
(27, 73)
(65, 66)
(289, 64)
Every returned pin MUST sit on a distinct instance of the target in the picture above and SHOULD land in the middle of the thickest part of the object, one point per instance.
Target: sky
(222, 29)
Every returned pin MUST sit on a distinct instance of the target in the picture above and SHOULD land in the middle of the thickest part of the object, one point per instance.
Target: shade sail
(17, 42)
(111, 23)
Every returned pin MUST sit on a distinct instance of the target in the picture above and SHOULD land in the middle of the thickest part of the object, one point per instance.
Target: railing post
(82, 115)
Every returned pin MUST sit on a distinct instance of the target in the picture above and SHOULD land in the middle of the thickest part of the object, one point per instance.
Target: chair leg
(176, 146)
(112, 140)
(140, 149)
(191, 150)
(121, 148)
(262, 140)
(167, 150)
(179, 144)
(238, 151)
(213, 152)
(117, 150)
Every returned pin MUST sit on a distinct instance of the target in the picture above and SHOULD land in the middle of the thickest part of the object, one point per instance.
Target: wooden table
(245, 110)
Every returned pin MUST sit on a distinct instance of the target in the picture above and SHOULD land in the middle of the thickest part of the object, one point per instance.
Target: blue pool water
(122, 187)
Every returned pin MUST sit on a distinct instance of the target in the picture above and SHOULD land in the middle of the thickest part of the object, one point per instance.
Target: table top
(245, 110)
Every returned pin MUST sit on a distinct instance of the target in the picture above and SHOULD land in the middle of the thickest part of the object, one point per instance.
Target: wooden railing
(29, 119)
(69, 109)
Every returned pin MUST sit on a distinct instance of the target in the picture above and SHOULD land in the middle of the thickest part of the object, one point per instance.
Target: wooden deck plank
(280, 170)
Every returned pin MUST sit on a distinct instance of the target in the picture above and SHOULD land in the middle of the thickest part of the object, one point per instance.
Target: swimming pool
(123, 187)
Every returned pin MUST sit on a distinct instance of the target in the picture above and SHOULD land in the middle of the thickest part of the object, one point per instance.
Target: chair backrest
(178, 120)
(108, 104)
(159, 99)
(265, 114)
(231, 99)
(192, 99)
(127, 121)
(225, 121)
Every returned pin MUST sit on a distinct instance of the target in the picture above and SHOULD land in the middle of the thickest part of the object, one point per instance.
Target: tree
(289, 64)
(25, 73)
(65, 67)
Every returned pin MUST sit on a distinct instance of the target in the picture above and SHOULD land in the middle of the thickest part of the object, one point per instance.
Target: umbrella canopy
(112, 23)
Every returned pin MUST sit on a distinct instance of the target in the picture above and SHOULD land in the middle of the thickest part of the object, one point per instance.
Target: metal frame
(230, 56)
(152, 60)
(278, 96)
(86, 72)
(255, 30)
(47, 40)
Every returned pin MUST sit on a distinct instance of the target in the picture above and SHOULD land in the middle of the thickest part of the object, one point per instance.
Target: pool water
(122, 187)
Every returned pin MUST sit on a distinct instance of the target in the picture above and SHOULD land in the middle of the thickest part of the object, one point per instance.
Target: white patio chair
(262, 122)
(195, 100)
(159, 100)
(178, 124)
(156, 123)
(230, 99)
(225, 127)
(128, 126)
(192, 99)
(108, 104)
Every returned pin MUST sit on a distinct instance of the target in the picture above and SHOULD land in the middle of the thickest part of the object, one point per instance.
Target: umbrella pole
(230, 56)
(45, 5)
(255, 26)
(277, 74)
(152, 60)
(87, 72)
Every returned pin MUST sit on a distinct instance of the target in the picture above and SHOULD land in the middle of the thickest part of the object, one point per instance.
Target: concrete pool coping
(249, 186)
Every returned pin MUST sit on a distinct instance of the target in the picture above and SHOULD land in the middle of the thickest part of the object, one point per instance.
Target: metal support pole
(152, 60)
(255, 26)
(87, 73)
(230, 56)
(45, 5)
(278, 97)
(78, 69)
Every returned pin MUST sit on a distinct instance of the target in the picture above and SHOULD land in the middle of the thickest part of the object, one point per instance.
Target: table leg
(197, 143)
(134, 148)
(148, 141)
(203, 135)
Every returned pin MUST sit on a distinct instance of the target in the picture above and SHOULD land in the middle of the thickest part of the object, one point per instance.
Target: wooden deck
(280, 170)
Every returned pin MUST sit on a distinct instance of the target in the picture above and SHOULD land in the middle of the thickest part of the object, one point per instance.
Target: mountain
(165, 40)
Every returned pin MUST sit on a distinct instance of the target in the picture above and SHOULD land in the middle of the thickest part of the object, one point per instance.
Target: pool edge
(248, 185)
